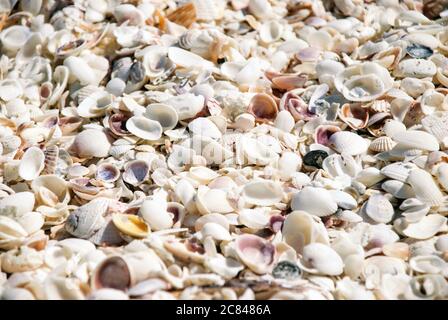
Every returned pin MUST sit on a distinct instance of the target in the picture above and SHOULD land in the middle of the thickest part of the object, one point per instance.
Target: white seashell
(255, 252)
(316, 201)
(348, 142)
(343, 199)
(289, 162)
(284, 121)
(300, 229)
(108, 294)
(270, 31)
(442, 243)
(363, 82)
(415, 68)
(144, 128)
(414, 139)
(203, 174)
(398, 189)
(215, 231)
(254, 219)
(212, 200)
(428, 264)
(369, 176)
(378, 266)
(425, 187)
(379, 209)
(256, 152)
(187, 105)
(31, 222)
(10, 89)
(321, 259)
(165, 114)
(382, 144)
(95, 105)
(91, 143)
(155, 214)
(398, 170)
(204, 127)
(87, 219)
(436, 124)
(22, 202)
(339, 165)
(186, 59)
(14, 38)
(32, 163)
(426, 228)
(262, 193)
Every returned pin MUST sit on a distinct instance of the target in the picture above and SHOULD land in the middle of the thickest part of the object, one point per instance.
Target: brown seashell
(354, 115)
(184, 15)
(114, 273)
(296, 106)
(433, 8)
(263, 107)
(51, 158)
(69, 124)
(289, 82)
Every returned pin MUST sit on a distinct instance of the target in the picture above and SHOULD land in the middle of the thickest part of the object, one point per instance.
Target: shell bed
(212, 149)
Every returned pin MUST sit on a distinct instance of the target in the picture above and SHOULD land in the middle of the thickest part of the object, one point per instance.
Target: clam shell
(321, 259)
(382, 144)
(426, 228)
(379, 209)
(131, 225)
(263, 107)
(348, 142)
(398, 189)
(156, 215)
(255, 252)
(316, 201)
(165, 114)
(32, 163)
(414, 139)
(91, 143)
(21, 202)
(425, 187)
(136, 172)
(87, 219)
(262, 193)
(415, 68)
(144, 128)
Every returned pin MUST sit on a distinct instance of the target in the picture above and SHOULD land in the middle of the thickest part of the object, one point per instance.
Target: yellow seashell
(131, 225)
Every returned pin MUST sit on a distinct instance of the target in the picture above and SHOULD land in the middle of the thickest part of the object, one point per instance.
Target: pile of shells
(211, 149)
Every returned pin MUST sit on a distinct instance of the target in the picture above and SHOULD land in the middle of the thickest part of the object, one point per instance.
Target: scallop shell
(382, 144)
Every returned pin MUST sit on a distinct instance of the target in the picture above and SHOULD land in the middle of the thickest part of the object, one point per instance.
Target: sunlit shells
(131, 225)
(91, 143)
(316, 201)
(348, 142)
(319, 258)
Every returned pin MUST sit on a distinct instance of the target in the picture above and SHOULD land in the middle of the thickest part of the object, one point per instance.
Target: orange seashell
(289, 82)
(184, 15)
(263, 107)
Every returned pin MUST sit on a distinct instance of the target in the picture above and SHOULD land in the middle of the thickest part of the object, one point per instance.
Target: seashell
(186, 59)
(315, 158)
(343, 199)
(425, 188)
(377, 267)
(90, 69)
(354, 115)
(21, 202)
(426, 228)
(32, 222)
(321, 259)
(215, 231)
(95, 105)
(184, 15)
(254, 219)
(436, 125)
(107, 172)
(131, 225)
(54, 184)
(11, 293)
(340, 165)
(108, 294)
(379, 209)
(398, 189)
(441, 243)
(270, 31)
(87, 219)
(144, 128)
(204, 127)
(22, 260)
(301, 229)
(398, 250)
(415, 87)
(426, 287)
(263, 107)
(296, 106)
(136, 172)
(262, 193)
(417, 139)
(129, 13)
(286, 270)
(155, 214)
(363, 82)
(91, 143)
(348, 142)
(324, 132)
(418, 51)
(416, 68)
(212, 200)
(289, 162)
(369, 176)
(427, 264)
(255, 152)
(187, 105)
(382, 144)
(14, 37)
(32, 163)
(284, 121)
(255, 252)
(203, 174)
(316, 201)
(165, 114)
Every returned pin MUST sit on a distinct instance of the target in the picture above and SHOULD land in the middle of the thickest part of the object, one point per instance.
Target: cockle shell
(379, 209)
(131, 225)
(87, 219)
(156, 215)
(91, 143)
(316, 201)
(255, 252)
(136, 172)
(416, 68)
(263, 107)
(382, 144)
